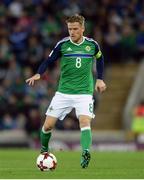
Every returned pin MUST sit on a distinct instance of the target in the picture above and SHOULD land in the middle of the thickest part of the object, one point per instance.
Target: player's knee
(84, 122)
(47, 127)
(49, 124)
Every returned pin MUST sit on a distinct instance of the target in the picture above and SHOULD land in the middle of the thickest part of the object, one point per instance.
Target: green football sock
(86, 138)
(45, 137)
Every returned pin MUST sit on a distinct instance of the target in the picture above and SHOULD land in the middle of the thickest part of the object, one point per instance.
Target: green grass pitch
(20, 164)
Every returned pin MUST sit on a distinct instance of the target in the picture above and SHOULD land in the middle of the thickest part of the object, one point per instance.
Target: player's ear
(83, 28)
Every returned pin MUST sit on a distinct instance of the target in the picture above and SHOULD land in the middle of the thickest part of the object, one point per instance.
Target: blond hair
(76, 18)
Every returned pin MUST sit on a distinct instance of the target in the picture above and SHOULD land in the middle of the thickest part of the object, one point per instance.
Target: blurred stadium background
(29, 30)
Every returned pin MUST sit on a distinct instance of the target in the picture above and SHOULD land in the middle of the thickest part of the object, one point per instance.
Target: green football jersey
(76, 61)
(76, 66)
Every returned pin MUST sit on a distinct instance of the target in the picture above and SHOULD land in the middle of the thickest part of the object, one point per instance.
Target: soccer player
(77, 54)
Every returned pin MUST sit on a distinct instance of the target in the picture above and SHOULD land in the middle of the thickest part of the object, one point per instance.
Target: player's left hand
(100, 86)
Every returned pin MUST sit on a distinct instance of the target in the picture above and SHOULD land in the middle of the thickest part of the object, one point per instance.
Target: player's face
(76, 31)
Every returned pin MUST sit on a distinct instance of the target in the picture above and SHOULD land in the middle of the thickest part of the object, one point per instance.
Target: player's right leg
(46, 133)
(58, 109)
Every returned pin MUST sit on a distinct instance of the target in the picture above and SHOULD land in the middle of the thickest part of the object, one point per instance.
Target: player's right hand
(31, 80)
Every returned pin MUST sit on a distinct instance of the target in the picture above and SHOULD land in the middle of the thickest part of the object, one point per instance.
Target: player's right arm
(53, 56)
(32, 79)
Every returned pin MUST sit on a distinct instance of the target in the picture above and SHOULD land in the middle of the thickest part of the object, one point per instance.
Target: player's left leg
(86, 139)
(84, 111)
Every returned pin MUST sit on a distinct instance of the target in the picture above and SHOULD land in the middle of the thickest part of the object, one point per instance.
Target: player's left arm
(100, 85)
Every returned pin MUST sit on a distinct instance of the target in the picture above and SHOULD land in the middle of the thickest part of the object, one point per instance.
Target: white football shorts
(62, 104)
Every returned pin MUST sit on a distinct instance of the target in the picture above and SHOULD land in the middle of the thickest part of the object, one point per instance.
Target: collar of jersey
(76, 43)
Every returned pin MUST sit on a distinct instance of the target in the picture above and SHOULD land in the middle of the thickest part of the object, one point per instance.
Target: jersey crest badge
(87, 48)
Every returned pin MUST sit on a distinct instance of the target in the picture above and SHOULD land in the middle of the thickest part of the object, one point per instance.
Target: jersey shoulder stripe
(92, 40)
(58, 45)
(62, 41)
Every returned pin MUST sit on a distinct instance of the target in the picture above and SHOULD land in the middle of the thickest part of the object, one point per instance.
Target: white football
(46, 161)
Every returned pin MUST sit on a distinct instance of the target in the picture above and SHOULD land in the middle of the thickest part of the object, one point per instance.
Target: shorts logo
(51, 109)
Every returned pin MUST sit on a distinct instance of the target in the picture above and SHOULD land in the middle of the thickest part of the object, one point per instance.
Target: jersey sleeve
(100, 62)
(53, 56)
